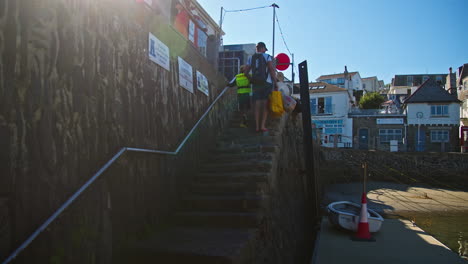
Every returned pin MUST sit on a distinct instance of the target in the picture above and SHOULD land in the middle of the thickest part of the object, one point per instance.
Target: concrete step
(241, 166)
(259, 139)
(245, 148)
(187, 245)
(227, 188)
(217, 219)
(232, 177)
(222, 203)
(233, 157)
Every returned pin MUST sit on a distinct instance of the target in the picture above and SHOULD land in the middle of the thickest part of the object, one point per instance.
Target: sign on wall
(202, 83)
(389, 121)
(158, 52)
(185, 75)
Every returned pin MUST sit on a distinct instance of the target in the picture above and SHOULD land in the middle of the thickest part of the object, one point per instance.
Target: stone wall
(453, 144)
(370, 123)
(444, 170)
(286, 232)
(76, 85)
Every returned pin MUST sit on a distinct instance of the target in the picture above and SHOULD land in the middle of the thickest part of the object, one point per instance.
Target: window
(313, 106)
(340, 80)
(439, 136)
(439, 79)
(202, 41)
(330, 127)
(409, 81)
(186, 21)
(439, 110)
(425, 78)
(390, 134)
(321, 106)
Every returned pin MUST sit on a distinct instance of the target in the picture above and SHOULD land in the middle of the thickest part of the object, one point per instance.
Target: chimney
(450, 83)
(346, 77)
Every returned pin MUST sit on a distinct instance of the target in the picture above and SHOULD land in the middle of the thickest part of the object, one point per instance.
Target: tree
(371, 101)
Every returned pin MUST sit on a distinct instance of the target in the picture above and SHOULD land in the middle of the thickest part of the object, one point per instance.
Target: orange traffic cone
(363, 233)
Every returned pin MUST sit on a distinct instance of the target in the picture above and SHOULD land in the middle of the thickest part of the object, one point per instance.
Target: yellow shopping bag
(276, 104)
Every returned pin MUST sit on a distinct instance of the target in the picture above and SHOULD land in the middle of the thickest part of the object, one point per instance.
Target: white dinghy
(346, 215)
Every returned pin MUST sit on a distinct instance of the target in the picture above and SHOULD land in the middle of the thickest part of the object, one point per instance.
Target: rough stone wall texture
(444, 170)
(285, 233)
(76, 85)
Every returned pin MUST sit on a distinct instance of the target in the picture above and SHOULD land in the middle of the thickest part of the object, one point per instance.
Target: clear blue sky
(375, 37)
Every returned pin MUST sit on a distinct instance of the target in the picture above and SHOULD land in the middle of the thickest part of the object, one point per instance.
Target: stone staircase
(221, 212)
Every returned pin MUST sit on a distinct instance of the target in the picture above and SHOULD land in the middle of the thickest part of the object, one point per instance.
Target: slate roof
(322, 87)
(401, 80)
(335, 76)
(431, 92)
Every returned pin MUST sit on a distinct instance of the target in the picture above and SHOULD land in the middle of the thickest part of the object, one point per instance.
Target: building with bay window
(433, 118)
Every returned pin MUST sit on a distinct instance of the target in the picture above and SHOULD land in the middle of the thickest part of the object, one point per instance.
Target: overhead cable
(282, 35)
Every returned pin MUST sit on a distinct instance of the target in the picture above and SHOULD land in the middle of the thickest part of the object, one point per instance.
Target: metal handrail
(96, 176)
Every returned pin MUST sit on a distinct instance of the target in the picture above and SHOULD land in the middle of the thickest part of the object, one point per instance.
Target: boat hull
(346, 215)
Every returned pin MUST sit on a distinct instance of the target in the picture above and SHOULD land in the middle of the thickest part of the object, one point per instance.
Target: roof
(402, 80)
(322, 87)
(431, 92)
(334, 76)
(370, 78)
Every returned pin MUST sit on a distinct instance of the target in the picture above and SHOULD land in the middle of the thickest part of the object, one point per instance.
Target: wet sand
(396, 199)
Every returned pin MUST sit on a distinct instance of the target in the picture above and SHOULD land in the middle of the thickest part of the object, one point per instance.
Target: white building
(372, 84)
(329, 107)
(351, 81)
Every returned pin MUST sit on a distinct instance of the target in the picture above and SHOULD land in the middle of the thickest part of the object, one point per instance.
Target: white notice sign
(185, 75)
(202, 83)
(158, 52)
(389, 121)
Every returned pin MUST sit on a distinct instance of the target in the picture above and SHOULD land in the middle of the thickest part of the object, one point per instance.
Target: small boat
(346, 215)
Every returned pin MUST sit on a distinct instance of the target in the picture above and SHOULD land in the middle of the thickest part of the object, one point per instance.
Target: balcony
(375, 112)
(322, 109)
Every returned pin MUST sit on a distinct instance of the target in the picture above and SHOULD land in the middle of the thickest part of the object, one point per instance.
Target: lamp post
(274, 16)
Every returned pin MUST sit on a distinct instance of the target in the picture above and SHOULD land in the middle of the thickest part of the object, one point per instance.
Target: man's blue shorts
(261, 91)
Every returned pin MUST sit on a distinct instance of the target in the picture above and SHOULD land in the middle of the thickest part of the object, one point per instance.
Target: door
(420, 140)
(363, 138)
(464, 139)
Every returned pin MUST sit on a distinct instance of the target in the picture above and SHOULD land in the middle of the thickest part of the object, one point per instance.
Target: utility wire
(240, 10)
(282, 35)
(248, 9)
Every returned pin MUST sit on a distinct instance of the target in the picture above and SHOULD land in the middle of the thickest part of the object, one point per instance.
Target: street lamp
(274, 15)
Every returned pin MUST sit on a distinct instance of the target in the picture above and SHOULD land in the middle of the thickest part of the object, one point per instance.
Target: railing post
(307, 128)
